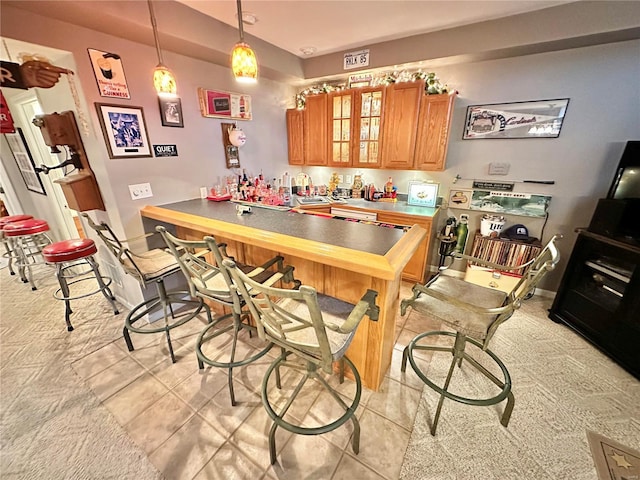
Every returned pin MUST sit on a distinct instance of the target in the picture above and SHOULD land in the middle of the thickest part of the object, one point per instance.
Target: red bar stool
(28, 238)
(8, 246)
(72, 253)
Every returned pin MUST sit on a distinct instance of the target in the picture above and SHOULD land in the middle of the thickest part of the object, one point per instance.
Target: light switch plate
(499, 168)
(348, 179)
(140, 190)
(340, 178)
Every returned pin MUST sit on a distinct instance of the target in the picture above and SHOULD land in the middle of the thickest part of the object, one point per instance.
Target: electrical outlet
(140, 190)
(340, 178)
(349, 179)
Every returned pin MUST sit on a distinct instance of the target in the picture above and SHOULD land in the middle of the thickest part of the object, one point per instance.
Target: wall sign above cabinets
(359, 59)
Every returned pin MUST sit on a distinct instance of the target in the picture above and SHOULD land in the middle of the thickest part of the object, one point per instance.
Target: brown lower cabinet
(417, 270)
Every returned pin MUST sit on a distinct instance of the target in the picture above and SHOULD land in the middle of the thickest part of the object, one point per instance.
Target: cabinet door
(433, 131)
(295, 136)
(417, 268)
(340, 128)
(400, 123)
(369, 105)
(316, 139)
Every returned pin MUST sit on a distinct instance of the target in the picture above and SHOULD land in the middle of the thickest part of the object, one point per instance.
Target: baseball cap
(516, 232)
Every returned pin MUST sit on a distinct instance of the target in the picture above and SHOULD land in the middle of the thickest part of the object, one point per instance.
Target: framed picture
(534, 119)
(24, 160)
(213, 103)
(171, 111)
(109, 73)
(124, 130)
(422, 194)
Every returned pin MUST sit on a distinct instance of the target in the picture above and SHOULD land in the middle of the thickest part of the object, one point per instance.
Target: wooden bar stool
(73, 253)
(9, 253)
(28, 238)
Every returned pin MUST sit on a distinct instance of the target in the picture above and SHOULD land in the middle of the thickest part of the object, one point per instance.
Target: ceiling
(330, 26)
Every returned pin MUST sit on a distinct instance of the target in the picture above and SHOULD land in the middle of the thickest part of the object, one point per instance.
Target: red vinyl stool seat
(72, 253)
(27, 239)
(13, 218)
(9, 252)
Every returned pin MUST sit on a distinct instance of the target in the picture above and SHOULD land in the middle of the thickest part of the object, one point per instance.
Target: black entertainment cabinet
(599, 297)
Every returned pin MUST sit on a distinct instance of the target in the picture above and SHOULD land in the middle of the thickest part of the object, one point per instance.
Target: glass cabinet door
(370, 119)
(341, 124)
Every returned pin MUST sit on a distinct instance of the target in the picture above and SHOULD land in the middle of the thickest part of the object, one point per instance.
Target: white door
(28, 107)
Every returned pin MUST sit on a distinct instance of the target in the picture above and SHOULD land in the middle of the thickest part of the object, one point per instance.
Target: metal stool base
(207, 335)
(310, 372)
(458, 353)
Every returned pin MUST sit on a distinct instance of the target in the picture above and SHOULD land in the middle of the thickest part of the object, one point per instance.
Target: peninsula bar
(339, 258)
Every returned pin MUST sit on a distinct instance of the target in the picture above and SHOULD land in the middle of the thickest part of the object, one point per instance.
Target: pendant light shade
(163, 80)
(244, 63)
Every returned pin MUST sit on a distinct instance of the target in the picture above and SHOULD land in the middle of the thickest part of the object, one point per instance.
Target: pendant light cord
(155, 31)
(239, 20)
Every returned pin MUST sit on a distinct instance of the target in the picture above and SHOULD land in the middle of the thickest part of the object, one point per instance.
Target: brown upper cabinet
(316, 129)
(295, 129)
(393, 127)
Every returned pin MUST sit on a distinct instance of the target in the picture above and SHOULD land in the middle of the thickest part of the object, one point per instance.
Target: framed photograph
(533, 119)
(124, 130)
(422, 194)
(24, 160)
(171, 111)
(109, 73)
(213, 103)
(526, 204)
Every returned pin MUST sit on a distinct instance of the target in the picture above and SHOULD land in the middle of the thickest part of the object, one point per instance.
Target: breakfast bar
(339, 258)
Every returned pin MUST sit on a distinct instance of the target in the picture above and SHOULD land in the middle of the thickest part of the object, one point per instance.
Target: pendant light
(244, 63)
(163, 80)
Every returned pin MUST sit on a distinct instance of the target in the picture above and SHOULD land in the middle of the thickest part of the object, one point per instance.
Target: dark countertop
(355, 236)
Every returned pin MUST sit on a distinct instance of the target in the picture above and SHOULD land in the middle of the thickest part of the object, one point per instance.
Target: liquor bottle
(461, 233)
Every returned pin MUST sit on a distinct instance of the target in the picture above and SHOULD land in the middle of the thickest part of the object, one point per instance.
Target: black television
(626, 183)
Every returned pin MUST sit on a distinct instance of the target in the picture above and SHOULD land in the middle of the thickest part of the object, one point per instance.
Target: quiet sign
(165, 150)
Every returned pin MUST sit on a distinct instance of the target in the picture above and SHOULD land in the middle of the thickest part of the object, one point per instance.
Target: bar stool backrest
(291, 319)
(118, 248)
(204, 277)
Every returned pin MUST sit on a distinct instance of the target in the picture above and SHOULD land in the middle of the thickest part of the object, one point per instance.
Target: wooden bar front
(333, 270)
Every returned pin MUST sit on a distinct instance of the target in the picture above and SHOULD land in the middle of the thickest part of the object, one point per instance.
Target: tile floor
(183, 419)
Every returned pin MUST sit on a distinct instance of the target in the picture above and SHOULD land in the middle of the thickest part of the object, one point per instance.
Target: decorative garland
(432, 85)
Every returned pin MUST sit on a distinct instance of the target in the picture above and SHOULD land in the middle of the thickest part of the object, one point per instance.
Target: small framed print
(423, 194)
(124, 130)
(171, 111)
(24, 160)
(460, 198)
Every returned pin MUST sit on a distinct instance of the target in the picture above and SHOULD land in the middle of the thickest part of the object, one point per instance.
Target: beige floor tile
(114, 378)
(408, 377)
(152, 353)
(229, 463)
(171, 374)
(225, 418)
(252, 437)
(251, 375)
(382, 444)
(157, 423)
(351, 469)
(403, 340)
(326, 410)
(136, 397)
(189, 449)
(348, 389)
(395, 402)
(98, 361)
(278, 397)
(201, 386)
(306, 456)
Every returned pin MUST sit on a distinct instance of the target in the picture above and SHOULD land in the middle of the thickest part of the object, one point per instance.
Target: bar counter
(339, 258)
